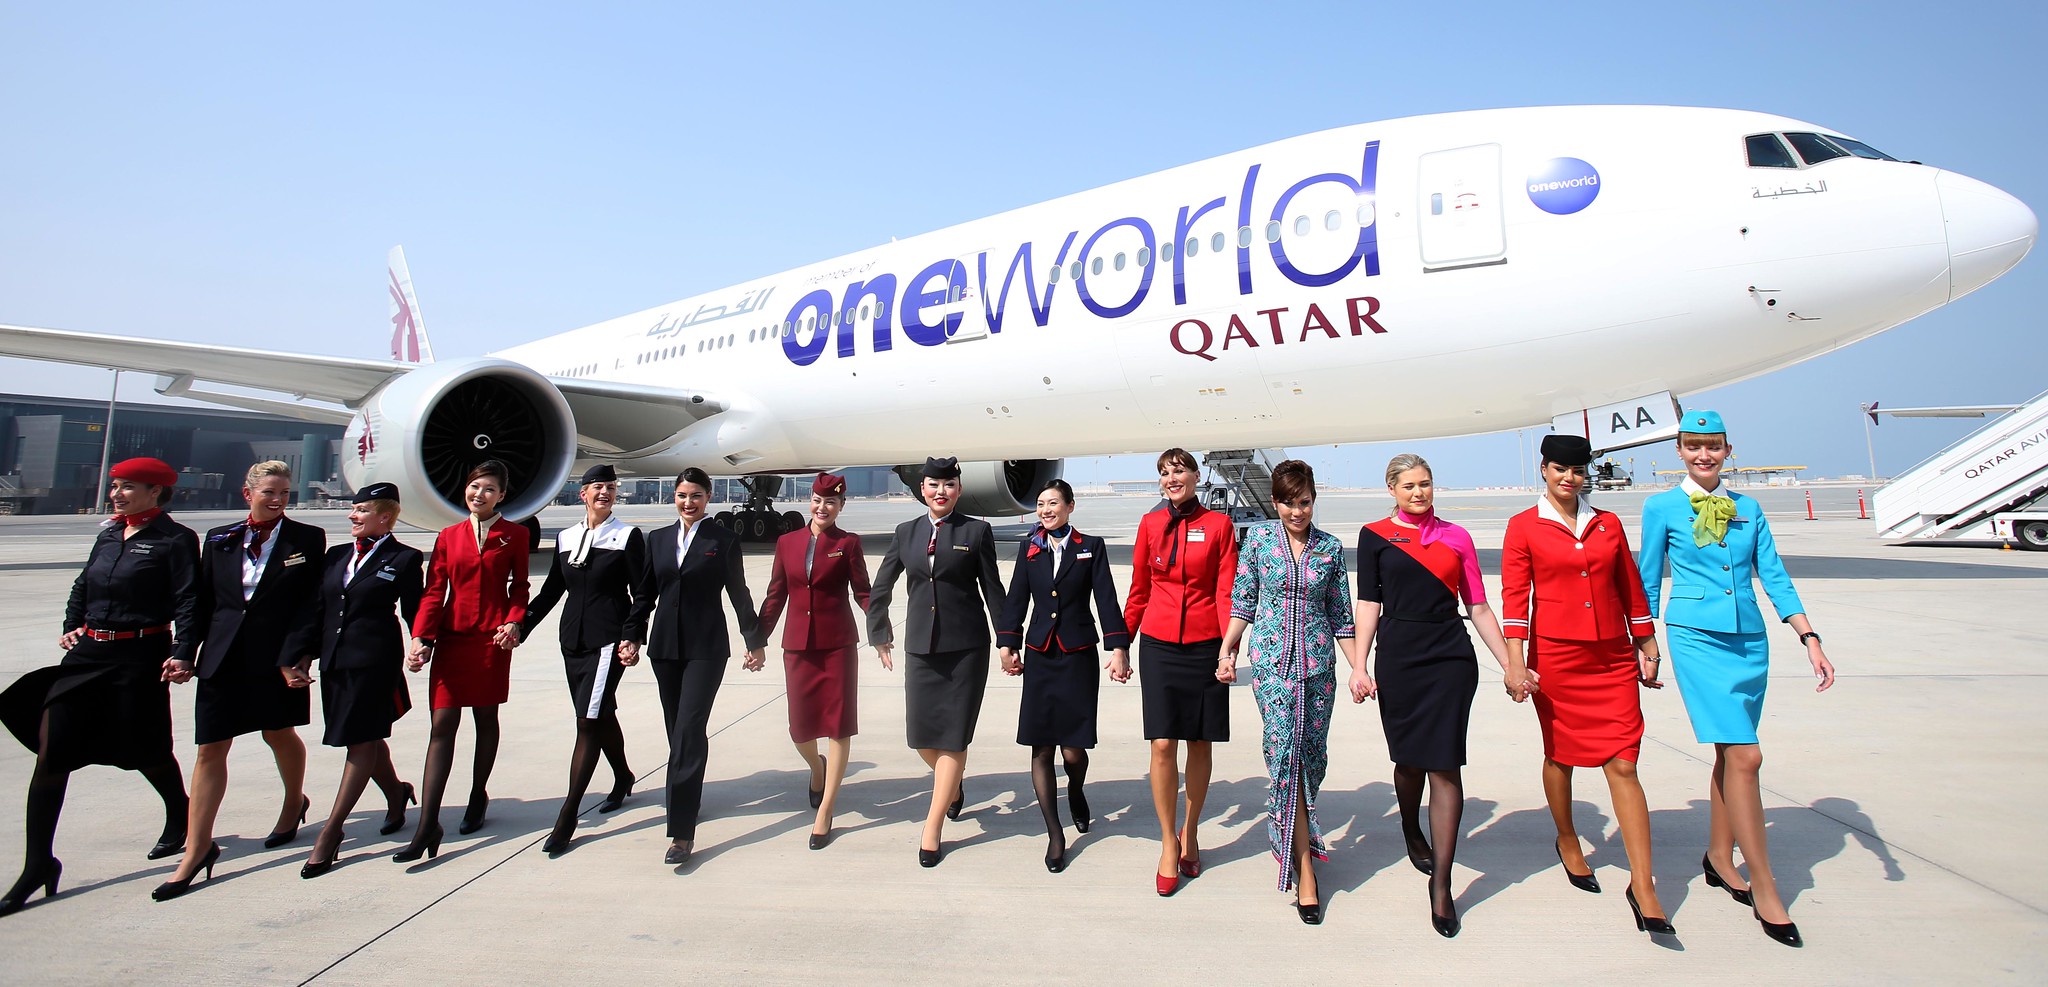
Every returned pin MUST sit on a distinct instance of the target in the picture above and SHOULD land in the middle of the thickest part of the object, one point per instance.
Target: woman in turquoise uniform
(1719, 546)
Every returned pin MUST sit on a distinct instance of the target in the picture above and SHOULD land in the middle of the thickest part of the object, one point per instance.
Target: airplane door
(1459, 212)
(966, 302)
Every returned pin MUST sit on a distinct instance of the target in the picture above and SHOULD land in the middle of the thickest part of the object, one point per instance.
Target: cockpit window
(1860, 149)
(1767, 151)
(1814, 149)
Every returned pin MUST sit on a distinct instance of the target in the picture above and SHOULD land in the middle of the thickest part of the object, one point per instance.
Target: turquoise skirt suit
(1718, 646)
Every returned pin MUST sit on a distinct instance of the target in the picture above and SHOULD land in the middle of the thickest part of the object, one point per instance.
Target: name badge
(1198, 535)
(387, 574)
(139, 550)
(959, 548)
(1397, 541)
(834, 555)
(295, 560)
(1084, 555)
(1738, 519)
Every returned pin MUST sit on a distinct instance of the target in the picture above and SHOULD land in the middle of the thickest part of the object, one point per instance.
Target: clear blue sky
(235, 174)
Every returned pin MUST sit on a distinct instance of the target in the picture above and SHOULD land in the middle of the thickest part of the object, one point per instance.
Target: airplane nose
(1988, 231)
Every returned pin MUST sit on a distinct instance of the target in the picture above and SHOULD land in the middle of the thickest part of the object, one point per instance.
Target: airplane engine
(994, 488)
(425, 430)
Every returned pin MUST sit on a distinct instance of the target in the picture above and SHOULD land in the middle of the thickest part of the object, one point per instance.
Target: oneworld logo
(1562, 186)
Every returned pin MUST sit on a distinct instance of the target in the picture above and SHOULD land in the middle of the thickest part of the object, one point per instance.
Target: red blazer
(1582, 590)
(819, 617)
(1180, 590)
(468, 593)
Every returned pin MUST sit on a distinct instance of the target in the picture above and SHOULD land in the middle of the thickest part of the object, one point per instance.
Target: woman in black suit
(601, 563)
(955, 593)
(130, 626)
(693, 563)
(1058, 654)
(259, 589)
(367, 585)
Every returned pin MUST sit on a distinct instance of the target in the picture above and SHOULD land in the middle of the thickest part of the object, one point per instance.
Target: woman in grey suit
(955, 594)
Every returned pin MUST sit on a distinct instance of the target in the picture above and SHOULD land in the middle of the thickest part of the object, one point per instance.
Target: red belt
(125, 635)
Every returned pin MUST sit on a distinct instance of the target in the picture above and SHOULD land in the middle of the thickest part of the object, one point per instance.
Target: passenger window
(1165, 252)
(1192, 247)
(1144, 256)
(1365, 214)
(1054, 276)
(1096, 267)
(1766, 151)
(1301, 226)
(1332, 220)
(1075, 270)
(1119, 261)
(1860, 149)
(863, 311)
(1814, 149)
(1244, 236)
(1216, 243)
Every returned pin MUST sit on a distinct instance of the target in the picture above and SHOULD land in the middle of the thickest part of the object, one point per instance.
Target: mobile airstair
(1242, 486)
(1990, 485)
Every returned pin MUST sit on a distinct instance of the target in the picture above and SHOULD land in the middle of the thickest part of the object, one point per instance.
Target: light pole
(1869, 445)
(107, 440)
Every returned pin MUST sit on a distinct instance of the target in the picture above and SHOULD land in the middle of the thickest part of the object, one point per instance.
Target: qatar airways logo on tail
(930, 306)
(405, 329)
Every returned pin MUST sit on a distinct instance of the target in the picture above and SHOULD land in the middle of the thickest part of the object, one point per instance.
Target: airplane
(1415, 278)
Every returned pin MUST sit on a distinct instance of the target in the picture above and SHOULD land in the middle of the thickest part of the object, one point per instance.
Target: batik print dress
(1297, 609)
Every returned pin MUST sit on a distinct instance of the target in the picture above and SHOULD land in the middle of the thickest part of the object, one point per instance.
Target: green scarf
(1713, 512)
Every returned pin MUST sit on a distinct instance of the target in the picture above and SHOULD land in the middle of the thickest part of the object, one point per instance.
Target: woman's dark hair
(1066, 492)
(493, 469)
(692, 474)
(1293, 480)
(1178, 455)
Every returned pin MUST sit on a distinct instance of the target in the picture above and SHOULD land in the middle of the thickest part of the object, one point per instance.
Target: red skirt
(468, 670)
(1588, 703)
(821, 692)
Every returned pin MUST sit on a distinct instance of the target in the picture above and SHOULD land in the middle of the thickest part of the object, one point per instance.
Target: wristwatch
(1815, 635)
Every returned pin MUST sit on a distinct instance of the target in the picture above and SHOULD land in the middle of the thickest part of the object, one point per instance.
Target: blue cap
(1702, 423)
(376, 491)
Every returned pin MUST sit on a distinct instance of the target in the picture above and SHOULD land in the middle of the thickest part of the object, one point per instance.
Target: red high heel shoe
(1166, 884)
(1191, 867)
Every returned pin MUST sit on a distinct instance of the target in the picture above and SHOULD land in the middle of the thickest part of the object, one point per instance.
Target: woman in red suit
(468, 625)
(1575, 602)
(1182, 567)
(817, 569)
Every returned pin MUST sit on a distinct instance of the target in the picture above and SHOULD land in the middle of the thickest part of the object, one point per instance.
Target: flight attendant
(693, 563)
(601, 564)
(1576, 609)
(259, 582)
(1056, 655)
(370, 591)
(1182, 565)
(1719, 545)
(467, 626)
(1292, 592)
(817, 571)
(1414, 569)
(955, 594)
(131, 625)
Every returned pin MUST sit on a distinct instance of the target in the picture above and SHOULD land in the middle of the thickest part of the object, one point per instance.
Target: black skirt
(247, 693)
(106, 701)
(942, 698)
(1177, 682)
(1425, 707)
(593, 681)
(1058, 707)
(360, 704)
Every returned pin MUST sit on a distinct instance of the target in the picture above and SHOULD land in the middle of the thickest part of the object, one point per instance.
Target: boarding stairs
(1990, 484)
(1242, 484)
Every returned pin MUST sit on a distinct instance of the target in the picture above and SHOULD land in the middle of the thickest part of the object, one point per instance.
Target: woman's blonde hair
(267, 468)
(1403, 463)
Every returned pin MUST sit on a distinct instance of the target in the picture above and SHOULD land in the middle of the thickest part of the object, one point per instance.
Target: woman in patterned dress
(1293, 593)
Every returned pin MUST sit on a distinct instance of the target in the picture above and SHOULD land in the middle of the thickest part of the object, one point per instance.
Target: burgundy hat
(827, 485)
(145, 470)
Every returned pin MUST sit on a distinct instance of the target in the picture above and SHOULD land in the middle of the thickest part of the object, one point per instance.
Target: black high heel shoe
(1786, 933)
(473, 817)
(1055, 862)
(558, 841)
(1648, 923)
(1423, 861)
(281, 837)
(1741, 895)
(616, 797)
(25, 888)
(1082, 817)
(167, 845)
(421, 844)
(315, 868)
(1310, 914)
(820, 841)
(927, 858)
(1446, 926)
(394, 818)
(1584, 882)
(959, 801)
(172, 889)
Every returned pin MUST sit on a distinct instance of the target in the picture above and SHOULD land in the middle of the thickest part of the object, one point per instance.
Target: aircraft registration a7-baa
(1422, 277)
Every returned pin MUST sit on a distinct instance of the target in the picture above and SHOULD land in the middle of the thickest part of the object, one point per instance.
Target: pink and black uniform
(1427, 671)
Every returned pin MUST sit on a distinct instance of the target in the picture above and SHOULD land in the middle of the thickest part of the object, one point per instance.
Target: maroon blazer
(819, 617)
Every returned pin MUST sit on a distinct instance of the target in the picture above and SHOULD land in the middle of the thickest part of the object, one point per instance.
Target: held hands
(1648, 663)
(755, 659)
(1119, 666)
(71, 639)
(1013, 663)
(300, 675)
(177, 672)
(628, 652)
(1521, 683)
(884, 652)
(419, 656)
(507, 637)
(1226, 666)
(1363, 687)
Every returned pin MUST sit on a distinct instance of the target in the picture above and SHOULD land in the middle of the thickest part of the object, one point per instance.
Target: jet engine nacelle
(994, 488)
(426, 429)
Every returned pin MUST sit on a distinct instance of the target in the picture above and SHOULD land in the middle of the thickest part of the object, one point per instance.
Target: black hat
(1567, 450)
(377, 491)
(942, 469)
(601, 473)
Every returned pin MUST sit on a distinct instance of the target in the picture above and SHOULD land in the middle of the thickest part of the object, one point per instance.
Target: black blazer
(1058, 601)
(361, 628)
(688, 622)
(610, 595)
(949, 588)
(280, 622)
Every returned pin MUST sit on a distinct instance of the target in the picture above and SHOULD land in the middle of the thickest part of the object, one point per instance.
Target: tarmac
(1904, 807)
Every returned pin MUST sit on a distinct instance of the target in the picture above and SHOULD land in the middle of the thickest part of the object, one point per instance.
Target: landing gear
(757, 520)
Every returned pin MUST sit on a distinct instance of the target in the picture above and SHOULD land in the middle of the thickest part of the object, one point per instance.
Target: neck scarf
(262, 530)
(1711, 522)
(1177, 513)
(932, 547)
(1042, 540)
(363, 546)
(135, 520)
(1429, 527)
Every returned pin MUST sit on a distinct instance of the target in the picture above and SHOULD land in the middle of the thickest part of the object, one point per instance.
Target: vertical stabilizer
(408, 331)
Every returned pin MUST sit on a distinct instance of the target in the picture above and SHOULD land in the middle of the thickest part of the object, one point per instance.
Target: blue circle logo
(1562, 186)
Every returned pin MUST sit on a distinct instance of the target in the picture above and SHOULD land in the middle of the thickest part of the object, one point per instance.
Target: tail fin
(408, 330)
